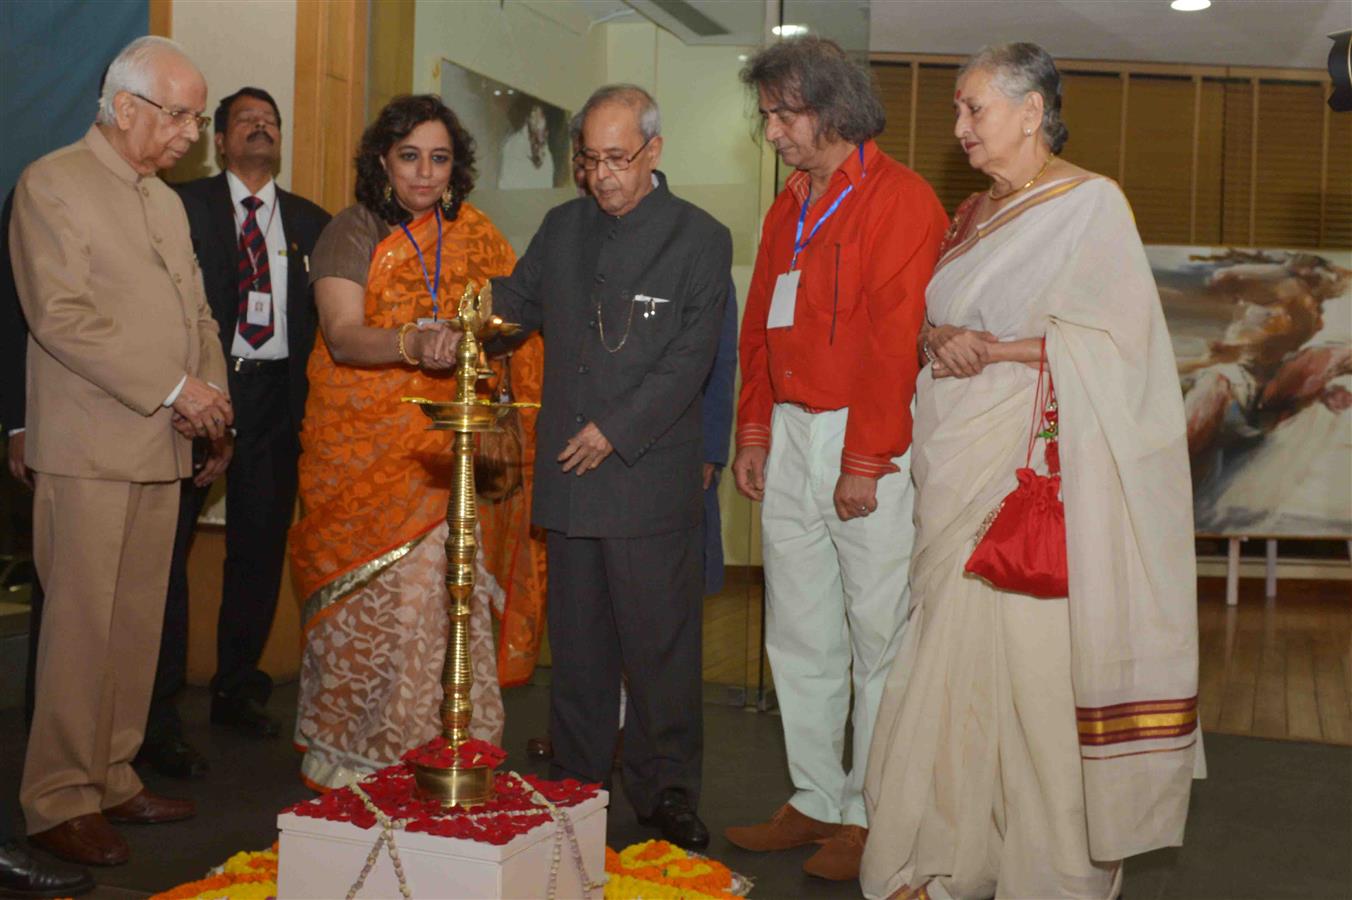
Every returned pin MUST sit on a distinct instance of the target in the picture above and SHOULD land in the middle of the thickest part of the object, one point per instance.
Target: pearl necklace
(1026, 185)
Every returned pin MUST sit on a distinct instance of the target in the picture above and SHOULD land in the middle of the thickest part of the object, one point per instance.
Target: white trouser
(836, 605)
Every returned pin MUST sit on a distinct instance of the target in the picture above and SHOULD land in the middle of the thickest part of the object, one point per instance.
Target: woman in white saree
(1032, 744)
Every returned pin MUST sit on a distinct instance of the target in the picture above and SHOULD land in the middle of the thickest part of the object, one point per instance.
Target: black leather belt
(243, 366)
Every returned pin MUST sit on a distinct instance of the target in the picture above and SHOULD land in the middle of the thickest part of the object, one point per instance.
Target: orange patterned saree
(367, 554)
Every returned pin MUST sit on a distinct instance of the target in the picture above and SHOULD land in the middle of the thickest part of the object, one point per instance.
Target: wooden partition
(1207, 155)
(330, 98)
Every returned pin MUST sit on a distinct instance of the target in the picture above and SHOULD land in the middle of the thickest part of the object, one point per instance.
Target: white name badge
(259, 311)
(425, 322)
(784, 299)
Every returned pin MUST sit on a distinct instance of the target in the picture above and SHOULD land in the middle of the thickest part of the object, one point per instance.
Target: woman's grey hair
(631, 95)
(1018, 70)
(133, 71)
(812, 74)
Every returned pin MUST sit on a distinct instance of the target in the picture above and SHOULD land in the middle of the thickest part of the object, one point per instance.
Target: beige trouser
(102, 550)
(836, 606)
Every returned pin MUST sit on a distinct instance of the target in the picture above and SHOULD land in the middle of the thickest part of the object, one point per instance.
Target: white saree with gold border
(1023, 746)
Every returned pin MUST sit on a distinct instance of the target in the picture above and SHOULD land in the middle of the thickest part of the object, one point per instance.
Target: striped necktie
(253, 274)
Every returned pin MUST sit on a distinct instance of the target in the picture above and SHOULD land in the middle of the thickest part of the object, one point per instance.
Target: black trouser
(628, 605)
(260, 494)
(171, 671)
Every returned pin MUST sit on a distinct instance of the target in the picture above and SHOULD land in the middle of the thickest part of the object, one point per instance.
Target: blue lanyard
(432, 286)
(798, 243)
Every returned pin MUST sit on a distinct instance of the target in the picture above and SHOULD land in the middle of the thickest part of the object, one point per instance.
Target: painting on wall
(1264, 346)
(522, 141)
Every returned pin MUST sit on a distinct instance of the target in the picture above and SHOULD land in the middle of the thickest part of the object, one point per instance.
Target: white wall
(237, 43)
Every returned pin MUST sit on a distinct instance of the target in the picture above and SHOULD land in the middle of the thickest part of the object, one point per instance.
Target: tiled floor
(1274, 819)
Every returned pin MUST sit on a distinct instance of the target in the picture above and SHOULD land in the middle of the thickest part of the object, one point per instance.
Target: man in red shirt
(828, 355)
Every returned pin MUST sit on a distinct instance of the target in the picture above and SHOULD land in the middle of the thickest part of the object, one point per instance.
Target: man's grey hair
(631, 95)
(133, 71)
(812, 74)
(1020, 69)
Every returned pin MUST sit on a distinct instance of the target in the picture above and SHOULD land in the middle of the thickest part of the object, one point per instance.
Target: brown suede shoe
(150, 809)
(839, 857)
(786, 828)
(88, 840)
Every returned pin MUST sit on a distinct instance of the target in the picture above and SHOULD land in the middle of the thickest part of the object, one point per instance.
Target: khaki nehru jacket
(116, 311)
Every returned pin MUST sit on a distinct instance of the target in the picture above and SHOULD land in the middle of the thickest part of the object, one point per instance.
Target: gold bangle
(403, 351)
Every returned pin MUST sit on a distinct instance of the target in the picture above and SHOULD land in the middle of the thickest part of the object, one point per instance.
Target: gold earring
(447, 198)
(389, 192)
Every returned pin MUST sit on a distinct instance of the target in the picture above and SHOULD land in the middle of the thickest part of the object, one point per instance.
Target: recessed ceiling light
(789, 30)
(1189, 5)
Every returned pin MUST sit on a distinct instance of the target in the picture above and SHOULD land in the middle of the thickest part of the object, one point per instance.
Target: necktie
(253, 273)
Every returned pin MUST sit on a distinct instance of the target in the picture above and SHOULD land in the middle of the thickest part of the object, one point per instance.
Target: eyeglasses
(590, 161)
(180, 117)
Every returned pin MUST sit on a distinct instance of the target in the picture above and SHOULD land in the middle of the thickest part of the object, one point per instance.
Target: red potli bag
(1021, 545)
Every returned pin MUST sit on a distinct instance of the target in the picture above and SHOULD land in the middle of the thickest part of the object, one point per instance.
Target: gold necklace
(1026, 185)
(601, 325)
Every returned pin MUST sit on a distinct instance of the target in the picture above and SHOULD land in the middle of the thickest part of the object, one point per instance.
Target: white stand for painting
(1270, 570)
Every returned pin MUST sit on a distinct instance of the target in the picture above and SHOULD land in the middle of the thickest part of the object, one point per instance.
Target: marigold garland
(244, 876)
(658, 870)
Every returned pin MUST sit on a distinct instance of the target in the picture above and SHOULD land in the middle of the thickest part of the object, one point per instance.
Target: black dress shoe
(24, 875)
(174, 757)
(246, 716)
(677, 821)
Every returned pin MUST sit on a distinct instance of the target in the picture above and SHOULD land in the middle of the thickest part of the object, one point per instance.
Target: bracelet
(403, 351)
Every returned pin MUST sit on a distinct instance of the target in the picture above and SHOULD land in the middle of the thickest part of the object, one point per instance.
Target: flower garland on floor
(245, 876)
(653, 870)
(658, 870)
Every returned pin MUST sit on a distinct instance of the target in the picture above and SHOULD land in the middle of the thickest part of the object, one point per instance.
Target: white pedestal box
(320, 859)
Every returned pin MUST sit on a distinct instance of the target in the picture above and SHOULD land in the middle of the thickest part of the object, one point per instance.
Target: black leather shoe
(174, 757)
(24, 875)
(677, 821)
(248, 717)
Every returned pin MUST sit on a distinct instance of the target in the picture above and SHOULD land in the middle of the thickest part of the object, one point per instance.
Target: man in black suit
(253, 241)
(628, 286)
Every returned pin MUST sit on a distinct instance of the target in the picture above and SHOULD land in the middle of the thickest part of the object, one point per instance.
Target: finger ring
(864, 509)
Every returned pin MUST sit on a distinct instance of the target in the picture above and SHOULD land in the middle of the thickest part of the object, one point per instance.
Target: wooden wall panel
(894, 86)
(1158, 163)
(1237, 140)
(331, 40)
(1290, 131)
(938, 156)
(1210, 164)
(391, 60)
(1091, 105)
(161, 22)
(1206, 154)
(1337, 231)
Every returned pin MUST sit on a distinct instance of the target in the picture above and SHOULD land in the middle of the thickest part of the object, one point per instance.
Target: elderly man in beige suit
(122, 362)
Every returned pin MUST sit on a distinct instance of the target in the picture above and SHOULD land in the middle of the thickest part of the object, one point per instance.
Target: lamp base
(466, 787)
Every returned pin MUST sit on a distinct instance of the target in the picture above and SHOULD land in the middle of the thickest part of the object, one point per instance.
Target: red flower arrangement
(439, 754)
(511, 812)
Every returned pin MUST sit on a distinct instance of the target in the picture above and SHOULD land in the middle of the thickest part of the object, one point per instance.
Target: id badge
(784, 300)
(260, 309)
(425, 322)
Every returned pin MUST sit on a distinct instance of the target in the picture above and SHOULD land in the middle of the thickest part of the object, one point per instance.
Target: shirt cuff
(173, 395)
(753, 435)
(14, 431)
(866, 466)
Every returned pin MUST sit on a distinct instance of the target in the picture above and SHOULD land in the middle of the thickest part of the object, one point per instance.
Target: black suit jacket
(212, 222)
(13, 336)
(645, 396)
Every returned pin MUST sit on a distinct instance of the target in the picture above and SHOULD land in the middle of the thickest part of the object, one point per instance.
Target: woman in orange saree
(368, 552)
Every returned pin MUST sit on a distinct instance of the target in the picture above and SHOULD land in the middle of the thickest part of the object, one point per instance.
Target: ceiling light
(788, 31)
(1189, 5)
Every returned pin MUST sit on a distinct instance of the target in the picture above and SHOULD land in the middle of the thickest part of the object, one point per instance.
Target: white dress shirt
(271, 225)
